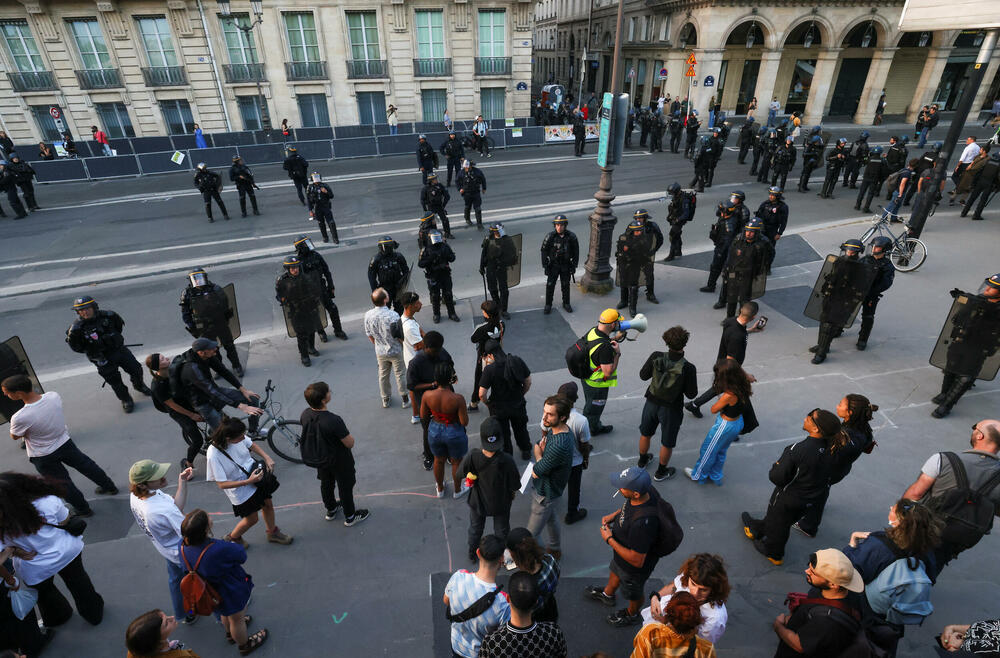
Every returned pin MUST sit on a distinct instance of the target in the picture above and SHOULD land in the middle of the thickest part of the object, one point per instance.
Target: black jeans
(477, 523)
(516, 418)
(330, 480)
(108, 368)
(300, 185)
(208, 196)
(573, 499)
(54, 607)
(54, 465)
(705, 397)
(814, 515)
(595, 398)
(19, 635)
(190, 432)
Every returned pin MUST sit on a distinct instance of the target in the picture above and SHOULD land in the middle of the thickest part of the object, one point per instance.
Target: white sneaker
(440, 492)
(462, 492)
(385, 403)
(414, 420)
(690, 473)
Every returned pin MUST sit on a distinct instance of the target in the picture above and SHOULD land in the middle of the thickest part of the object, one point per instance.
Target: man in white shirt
(479, 130)
(772, 111)
(388, 347)
(413, 335)
(968, 155)
(160, 517)
(42, 425)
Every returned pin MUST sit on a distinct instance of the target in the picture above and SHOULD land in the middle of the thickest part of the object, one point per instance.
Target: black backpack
(174, 372)
(578, 358)
(967, 512)
(670, 533)
(315, 450)
(693, 198)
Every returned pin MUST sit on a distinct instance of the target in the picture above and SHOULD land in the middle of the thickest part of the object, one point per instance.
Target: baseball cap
(632, 478)
(570, 391)
(491, 434)
(147, 470)
(610, 316)
(834, 566)
(202, 344)
(491, 346)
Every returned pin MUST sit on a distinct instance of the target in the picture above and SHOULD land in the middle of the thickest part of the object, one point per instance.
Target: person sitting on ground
(148, 636)
(679, 631)
(702, 575)
(530, 557)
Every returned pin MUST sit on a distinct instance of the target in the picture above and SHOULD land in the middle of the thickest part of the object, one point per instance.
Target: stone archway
(859, 42)
(804, 40)
(746, 40)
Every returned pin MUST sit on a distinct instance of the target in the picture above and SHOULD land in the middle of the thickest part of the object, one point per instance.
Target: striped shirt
(464, 589)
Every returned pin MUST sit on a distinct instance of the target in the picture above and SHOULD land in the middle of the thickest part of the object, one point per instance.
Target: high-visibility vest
(597, 379)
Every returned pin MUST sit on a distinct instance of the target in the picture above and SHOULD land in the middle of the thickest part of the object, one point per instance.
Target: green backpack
(667, 378)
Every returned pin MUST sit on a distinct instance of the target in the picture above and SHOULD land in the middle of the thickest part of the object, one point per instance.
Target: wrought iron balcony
(366, 68)
(32, 81)
(439, 67)
(99, 79)
(243, 73)
(164, 76)
(306, 71)
(493, 66)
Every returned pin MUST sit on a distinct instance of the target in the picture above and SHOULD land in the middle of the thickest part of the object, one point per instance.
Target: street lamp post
(597, 275)
(256, 6)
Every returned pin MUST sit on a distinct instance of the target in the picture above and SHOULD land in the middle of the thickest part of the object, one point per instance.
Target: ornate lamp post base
(597, 277)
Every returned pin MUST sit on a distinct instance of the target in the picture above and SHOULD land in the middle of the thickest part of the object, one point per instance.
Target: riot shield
(514, 271)
(405, 285)
(970, 338)
(14, 361)
(234, 319)
(839, 290)
(759, 285)
(320, 319)
(638, 271)
(312, 298)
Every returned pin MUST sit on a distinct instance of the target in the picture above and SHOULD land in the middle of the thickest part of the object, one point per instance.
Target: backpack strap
(958, 468)
(478, 607)
(990, 484)
(838, 604)
(197, 562)
(692, 647)
(234, 461)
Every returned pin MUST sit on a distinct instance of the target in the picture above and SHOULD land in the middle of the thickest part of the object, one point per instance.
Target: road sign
(709, 81)
(663, 74)
(605, 137)
(690, 72)
(54, 112)
(631, 73)
(691, 60)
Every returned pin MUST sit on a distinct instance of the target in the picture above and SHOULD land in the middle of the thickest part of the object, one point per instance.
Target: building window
(115, 119)
(371, 107)
(250, 112)
(363, 29)
(665, 28)
(46, 124)
(177, 115)
(302, 44)
(435, 102)
(157, 41)
(798, 88)
(492, 33)
(22, 47)
(314, 111)
(492, 100)
(239, 44)
(90, 44)
(627, 84)
(430, 34)
(631, 29)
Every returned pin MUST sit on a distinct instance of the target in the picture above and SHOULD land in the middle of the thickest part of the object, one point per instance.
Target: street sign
(54, 112)
(631, 73)
(690, 72)
(605, 137)
(709, 81)
(691, 60)
(521, 86)
(663, 74)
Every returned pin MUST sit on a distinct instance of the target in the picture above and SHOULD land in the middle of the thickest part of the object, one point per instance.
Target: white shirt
(970, 152)
(378, 322)
(480, 128)
(55, 547)
(775, 105)
(220, 468)
(715, 616)
(581, 430)
(42, 425)
(411, 336)
(160, 519)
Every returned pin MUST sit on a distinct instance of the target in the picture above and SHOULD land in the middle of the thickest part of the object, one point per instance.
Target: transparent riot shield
(839, 290)
(970, 338)
(234, 319)
(759, 285)
(514, 271)
(14, 361)
(321, 320)
(312, 304)
(405, 285)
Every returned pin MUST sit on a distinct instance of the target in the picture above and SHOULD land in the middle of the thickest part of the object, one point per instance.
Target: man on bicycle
(174, 405)
(479, 130)
(193, 378)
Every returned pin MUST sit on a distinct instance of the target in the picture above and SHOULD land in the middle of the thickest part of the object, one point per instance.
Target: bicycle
(282, 435)
(906, 253)
(469, 140)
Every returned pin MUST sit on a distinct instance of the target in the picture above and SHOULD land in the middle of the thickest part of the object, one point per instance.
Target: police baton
(133, 345)
(485, 293)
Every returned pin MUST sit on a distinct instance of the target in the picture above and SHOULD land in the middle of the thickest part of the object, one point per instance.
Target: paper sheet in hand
(526, 476)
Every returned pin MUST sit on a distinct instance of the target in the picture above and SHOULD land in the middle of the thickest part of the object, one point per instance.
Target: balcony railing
(439, 67)
(243, 73)
(99, 79)
(306, 71)
(32, 81)
(493, 66)
(366, 68)
(164, 76)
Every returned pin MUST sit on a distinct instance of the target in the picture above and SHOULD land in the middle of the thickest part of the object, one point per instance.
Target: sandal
(253, 642)
(229, 638)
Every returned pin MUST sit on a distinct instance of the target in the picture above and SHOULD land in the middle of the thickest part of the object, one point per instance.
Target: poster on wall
(564, 133)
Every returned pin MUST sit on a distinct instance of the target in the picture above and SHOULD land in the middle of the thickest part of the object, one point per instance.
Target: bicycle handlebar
(267, 387)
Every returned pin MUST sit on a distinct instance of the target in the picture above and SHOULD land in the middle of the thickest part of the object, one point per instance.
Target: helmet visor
(436, 237)
(305, 243)
(198, 279)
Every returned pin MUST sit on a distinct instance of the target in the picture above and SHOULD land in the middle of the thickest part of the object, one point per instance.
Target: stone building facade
(145, 67)
(832, 59)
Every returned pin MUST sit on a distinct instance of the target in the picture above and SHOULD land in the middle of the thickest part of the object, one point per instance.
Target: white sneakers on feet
(464, 490)
(690, 473)
(441, 491)
(414, 420)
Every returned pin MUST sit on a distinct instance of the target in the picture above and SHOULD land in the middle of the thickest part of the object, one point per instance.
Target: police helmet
(727, 208)
(715, 129)
(641, 214)
(435, 237)
(789, 139)
(739, 195)
(674, 188)
(852, 244)
(432, 177)
(842, 141)
(86, 301)
(635, 225)
(452, 134)
(905, 140)
(755, 224)
(303, 243)
(938, 146)
(865, 134)
(386, 244)
(816, 130)
(237, 158)
(816, 139)
(428, 217)
(316, 177)
(774, 191)
(421, 136)
(560, 219)
(749, 119)
(694, 112)
(198, 277)
(201, 166)
(876, 150)
(993, 282)
(292, 149)
(883, 243)
(497, 230)
(467, 163)
(704, 139)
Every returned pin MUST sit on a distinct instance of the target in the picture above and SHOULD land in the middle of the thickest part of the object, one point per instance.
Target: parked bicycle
(906, 253)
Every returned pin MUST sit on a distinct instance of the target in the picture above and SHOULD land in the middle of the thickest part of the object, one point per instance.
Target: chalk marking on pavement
(447, 542)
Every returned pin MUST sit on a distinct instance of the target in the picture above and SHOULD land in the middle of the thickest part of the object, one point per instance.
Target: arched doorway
(956, 72)
(744, 46)
(798, 65)
(856, 59)
(904, 74)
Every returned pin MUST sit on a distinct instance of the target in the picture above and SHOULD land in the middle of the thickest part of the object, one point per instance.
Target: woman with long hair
(678, 634)
(530, 557)
(734, 387)
(148, 636)
(32, 519)
(703, 576)
(230, 464)
(492, 328)
(221, 567)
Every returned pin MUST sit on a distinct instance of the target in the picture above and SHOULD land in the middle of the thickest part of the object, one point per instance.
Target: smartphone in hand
(761, 323)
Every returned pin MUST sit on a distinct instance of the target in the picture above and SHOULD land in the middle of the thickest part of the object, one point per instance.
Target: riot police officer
(839, 289)
(498, 253)
(314, 265)
(746, 265)
(895, 155)
(242, 176)
(834, 163)
(8, 184)
(388, 269)
(740, 210)
(782, 162)
(471, 185)
(207, 312)
(634, 250)
(702, 165)
(428, 223)
(811, 159)
(679, 212)
(759, 148)
(815, 131)
(653, 229)
(745, 140)
(771, 144)
(985, 184)
(454, 151)
(716, 146)
(924, 169)
(724, 131)
(298, 169)
(645, 123)
(656, 129)
(320, 202)
(208, 183)
(774, 214)
(299, 295)
(857, 156)
(885, 272)
(874, 174)
(721, 234)
(676, 128)
(435, 259)
(426, 157)
(579, 133)
(434, 197)
(98, 334)
(23, 173)
(560, 255)
(692, 134)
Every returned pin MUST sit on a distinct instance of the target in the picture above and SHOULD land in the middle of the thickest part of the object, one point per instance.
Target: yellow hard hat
(610, 316)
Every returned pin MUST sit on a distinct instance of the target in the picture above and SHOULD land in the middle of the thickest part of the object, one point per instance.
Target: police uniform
(471, 183)
(782, 161)
(721, 234)
(299, 294)
(498, 253)
(652, 229)
(634, 250)
(679, 212)
(657, 125)
(560, 255)
(692, 134)
(434, 197)
(716, 146)
(771, 145)
(746, 140)
(23, 174)
(840, 286)
(100, 338)
(242, 177)
(759, 147)
(875, 172)
(579, 135)
(426, 158)
(748, 258)
(435, 259)
(8, 184)
(676, 129)
(885, 272)
(454, 151)
(985, 184)
(315, 265)
(702, 166)
(208, 183)
(774, 214)
(388, 269)
(857, 157)
(319, 198)
(205, 310)
(834, 163)
(811, 159)
(297, 168)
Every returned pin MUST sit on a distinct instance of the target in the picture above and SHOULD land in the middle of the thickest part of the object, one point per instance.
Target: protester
(492, 328)
(734, 390)
(495, 482)
(702, 575)
(420, 376)
(443, 412)
(577, 424)
(529, 557)
(200, 366)
(148, 636)
(21, 634)
(677, 632)
(413, 335)
(603, 354)
(550, 473)
(463, 593)
(524, 634)
(180, 411)
(388, 347)
(507, 378)
(733, 345)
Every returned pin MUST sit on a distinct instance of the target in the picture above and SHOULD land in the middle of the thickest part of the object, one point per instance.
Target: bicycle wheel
(910, 256)
(283, 437)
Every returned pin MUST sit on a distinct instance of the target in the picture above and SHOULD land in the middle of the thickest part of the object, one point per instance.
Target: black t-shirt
(422, 366)
(637, 534)
(505, 392)
(689, 378)
(333, 430)
(734, 340)
(161, 393)
(845, 456)
(821, 635)
(497, 478)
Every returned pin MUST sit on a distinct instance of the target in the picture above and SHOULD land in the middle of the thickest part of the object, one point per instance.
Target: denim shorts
(447, 440)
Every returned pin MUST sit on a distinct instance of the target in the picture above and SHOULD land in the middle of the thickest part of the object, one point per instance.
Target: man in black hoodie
(495, 482)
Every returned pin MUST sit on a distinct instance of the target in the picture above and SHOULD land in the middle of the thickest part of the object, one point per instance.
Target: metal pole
(919, 216)
(597, 269)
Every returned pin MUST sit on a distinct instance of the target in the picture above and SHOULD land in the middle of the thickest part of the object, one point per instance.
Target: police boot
(338, 329)
(633, 300)
(128, 405)
(713, 275)
(333, 230)
(479, 218)
(946, 383)
(312, 345)
(623, 303)
(565, 297)
(721, 302)
(253, 202)
(867, 322)
(650, 295)
(550, 291)
(436, 306)
(711, 175)
(449, 303)
(468, 219)
(504, 296)
(823, 345)
(322, 336)
(962, 384)
(225, 213)
(243, 207)
(208, 211)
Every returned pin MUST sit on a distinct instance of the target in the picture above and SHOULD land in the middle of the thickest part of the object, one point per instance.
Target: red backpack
(199, 597)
